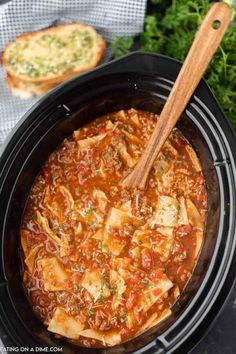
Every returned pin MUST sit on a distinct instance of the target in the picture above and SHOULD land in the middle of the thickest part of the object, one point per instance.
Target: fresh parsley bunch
(170, 30)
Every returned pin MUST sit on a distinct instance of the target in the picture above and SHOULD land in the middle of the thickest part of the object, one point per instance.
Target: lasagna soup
(102, 263)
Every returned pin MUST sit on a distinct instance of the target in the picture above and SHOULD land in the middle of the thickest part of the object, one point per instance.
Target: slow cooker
(142, 81)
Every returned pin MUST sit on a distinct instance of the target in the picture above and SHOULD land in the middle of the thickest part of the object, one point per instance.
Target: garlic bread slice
(55, 54)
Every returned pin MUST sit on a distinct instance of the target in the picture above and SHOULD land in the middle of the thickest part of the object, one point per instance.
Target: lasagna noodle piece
(163, 245)
(79, 229)
(107, 338)
(68, 198)
(51, 205)
(193, 157)
(166, 213)
(130, 320)
(99, 235)
(143, 238)
(155, 320)
(134, 118)
(109, 243)
(101, 171)
(168, 178)
(199, 239)
(92, 282)
(113, 244)
(161, 165)
(168, 146)
(194, 216)
(100, 197)
(24, 235)
(118, 282)
(131, 138)
(149, 297)
(110, 125)
(43, 222)
(65, 325)
(54, 274)
(165, 231)
(183, 215)
(135, 253)
(88, 142)
(127, 207)
(125, 156)
(65, 248)
(116, 218)
(121, 115)
(30, 259)
(47, 196)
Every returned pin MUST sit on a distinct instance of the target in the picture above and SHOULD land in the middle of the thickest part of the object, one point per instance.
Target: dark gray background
(221, 338)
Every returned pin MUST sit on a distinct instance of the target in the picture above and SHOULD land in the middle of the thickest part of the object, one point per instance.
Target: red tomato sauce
(102, 263)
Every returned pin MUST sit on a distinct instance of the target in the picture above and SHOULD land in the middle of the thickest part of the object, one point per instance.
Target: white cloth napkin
(111, 18)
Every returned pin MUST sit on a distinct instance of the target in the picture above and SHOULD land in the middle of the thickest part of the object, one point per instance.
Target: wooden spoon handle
(201, 52)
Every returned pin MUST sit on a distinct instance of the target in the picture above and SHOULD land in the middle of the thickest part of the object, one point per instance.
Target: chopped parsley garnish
(78, 268)
(123, 314)
(146, 283)
(90, 312)
(101, 298)
(113, 289)
(34, 216)
(101, 246)
(76, 288)
(90, 210)
(60, 226)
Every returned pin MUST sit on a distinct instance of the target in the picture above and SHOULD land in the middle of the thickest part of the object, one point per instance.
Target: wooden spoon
(200, 54)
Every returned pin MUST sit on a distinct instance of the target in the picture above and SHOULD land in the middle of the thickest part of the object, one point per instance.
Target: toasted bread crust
(98, 54)
(27, 89)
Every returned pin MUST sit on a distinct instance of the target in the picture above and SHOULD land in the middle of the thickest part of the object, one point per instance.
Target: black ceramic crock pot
(142, 81)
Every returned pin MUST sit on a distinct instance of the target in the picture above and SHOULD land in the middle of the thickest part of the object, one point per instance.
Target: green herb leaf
(78, 268)
(101, 246)
(101, 298)
(76, 288)
(90, 210)
(146, 283)
(123, 314)
(90, 312)
(170, 30)
(122, 46)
